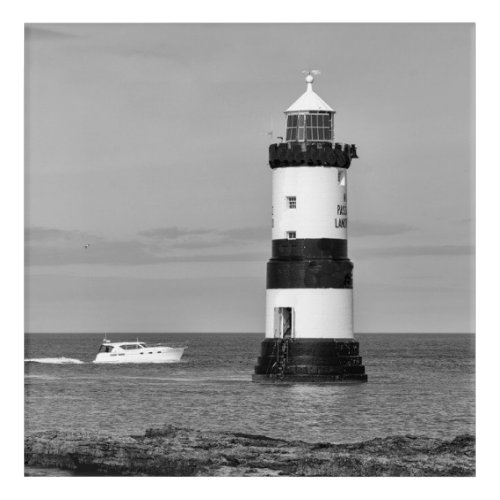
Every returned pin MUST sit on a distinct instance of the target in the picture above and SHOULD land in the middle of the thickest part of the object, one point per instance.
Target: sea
(418, 384)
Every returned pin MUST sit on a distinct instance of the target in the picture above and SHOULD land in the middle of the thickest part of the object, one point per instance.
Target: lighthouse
(309, 288)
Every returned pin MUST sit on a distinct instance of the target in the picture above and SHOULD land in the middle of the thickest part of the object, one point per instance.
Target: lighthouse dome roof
(309, 100)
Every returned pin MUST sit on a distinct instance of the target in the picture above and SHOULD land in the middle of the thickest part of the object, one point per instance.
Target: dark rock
(174, 451)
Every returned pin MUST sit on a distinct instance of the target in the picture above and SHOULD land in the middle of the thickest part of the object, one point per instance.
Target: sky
(150, 142)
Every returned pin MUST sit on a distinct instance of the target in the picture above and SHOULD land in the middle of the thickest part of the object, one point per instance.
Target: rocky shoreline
(175, 451)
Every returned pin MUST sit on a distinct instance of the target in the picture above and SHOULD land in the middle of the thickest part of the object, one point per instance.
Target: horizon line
(228, 333)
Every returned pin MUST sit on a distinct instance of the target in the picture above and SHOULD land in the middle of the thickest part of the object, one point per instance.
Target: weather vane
(310, 74)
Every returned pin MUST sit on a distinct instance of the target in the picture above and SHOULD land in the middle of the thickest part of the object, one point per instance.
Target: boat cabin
(107, 347)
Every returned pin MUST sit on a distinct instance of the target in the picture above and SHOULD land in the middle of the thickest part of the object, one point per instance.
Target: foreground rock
(173, 451)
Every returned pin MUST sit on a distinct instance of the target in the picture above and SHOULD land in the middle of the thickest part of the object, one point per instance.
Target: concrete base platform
(310, 379)
(324, 361)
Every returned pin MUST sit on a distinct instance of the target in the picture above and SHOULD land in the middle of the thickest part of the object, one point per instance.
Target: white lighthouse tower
(309, 297)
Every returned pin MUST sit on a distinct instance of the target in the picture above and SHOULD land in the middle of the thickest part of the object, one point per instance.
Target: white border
(17, 13)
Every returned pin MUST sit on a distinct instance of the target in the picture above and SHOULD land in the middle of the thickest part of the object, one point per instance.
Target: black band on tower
(317, 153)
(308, 273)
(309, 248)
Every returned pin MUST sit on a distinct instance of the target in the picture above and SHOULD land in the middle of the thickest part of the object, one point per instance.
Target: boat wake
(136, 362)
(55, 361)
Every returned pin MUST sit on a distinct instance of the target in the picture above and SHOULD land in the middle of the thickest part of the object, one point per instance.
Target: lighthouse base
(326, 361)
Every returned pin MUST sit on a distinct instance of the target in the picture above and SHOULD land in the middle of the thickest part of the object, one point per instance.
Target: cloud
(48, 234)
(168, 238)
(421, 250)
(200, 242)
(172, 232)
(467, 220)
(103, 252)
(377, 228)
(33, 32)
(126, 253)
(51, 246)
(205, 238)
(249, 233)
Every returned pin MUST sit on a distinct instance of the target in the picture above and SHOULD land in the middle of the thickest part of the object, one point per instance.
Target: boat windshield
(106, 348)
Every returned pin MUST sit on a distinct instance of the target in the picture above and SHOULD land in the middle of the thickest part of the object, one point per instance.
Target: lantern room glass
(309, 126)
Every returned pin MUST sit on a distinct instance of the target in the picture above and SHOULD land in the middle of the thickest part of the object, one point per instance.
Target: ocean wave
(55, 361)
(40, 377)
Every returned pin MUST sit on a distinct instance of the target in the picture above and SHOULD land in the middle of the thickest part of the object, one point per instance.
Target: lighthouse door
(283, 322)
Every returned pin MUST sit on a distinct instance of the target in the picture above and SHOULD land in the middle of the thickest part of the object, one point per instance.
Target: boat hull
(147, 355)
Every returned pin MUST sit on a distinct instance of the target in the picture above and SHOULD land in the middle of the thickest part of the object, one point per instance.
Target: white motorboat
(137, 352)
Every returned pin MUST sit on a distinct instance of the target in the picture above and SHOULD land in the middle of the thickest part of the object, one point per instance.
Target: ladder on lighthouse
(282, 358)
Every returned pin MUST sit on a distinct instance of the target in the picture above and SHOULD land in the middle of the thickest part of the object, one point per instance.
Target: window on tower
(291, 201)
(341, 177)
(291, 235)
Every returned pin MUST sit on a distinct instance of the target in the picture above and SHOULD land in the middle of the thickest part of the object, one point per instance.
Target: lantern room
(309, 118)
